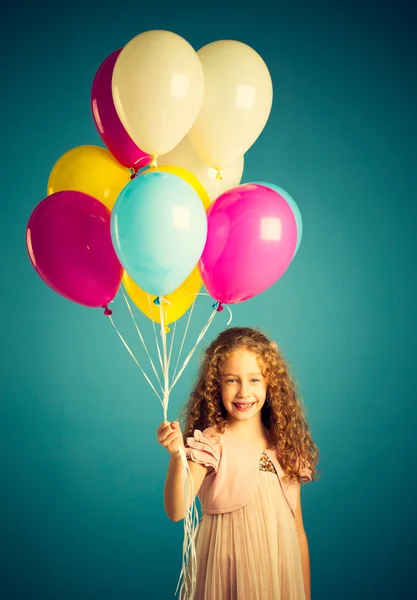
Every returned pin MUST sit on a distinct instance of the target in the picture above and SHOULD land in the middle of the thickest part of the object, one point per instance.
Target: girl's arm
(170, 437)
(302, 539)
(174, 503)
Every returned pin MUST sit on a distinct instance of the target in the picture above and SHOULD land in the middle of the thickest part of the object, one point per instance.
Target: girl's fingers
(164, 433)
(162, 427)
(173, 447)
(169, 438)
(167, 433)
(175, 444)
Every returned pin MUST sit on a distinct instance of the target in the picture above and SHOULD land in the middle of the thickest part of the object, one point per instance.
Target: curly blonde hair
(282, 413)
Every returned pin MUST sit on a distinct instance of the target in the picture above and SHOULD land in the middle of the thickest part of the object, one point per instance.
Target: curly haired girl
(249, 449)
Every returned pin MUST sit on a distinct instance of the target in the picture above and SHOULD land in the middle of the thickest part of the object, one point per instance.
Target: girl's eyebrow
(234, 375)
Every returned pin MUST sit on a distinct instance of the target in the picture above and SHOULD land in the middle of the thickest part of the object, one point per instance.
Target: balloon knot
(157, 301)
(134, 174)
(167, 329)
(218, 175)
(218, 306)
(107, 311)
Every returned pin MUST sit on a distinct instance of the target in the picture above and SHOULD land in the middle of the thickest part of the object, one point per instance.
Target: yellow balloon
(92, 170)
(188, 177)
(180, 300)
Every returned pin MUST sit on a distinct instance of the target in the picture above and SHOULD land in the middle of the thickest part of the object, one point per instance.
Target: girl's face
(243, 386)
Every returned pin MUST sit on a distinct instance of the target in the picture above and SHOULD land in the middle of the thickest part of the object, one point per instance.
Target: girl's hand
(169, 436)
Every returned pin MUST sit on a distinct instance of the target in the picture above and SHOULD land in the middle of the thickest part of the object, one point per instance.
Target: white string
(185, 333)
(172, 345)
(200, 337)
(190, 522)
(224, 306)
(165, 359)
(142, 340)
(231, 315)
(188, 573)
(154, 330)
(191, 517)
(135, 359)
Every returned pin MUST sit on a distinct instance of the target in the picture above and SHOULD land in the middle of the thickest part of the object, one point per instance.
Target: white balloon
(158, 88)
(236, 105)
(186, 157)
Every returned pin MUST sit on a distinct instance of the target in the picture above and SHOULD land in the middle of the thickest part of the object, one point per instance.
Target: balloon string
(154, 330)
(165, 368)
(134, 358)
(185, 332)
(189, 557)
(188, 573)
(218, 307)
(190, 520)
(142, 340)
(200, 337)
(172, 342)
(218, 179)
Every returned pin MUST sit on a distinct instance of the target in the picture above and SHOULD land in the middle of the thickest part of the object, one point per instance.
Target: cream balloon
(158, 88)
(236, 105)
(186, 157)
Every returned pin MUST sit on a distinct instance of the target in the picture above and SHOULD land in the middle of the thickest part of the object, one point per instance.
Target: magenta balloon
(69, 244)
(107, 121)
(252, 235)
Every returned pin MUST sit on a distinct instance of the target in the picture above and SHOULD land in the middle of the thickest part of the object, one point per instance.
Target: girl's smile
(243, 407)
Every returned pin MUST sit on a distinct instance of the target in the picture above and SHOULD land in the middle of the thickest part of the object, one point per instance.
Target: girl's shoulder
(212, 434)
(204, 447)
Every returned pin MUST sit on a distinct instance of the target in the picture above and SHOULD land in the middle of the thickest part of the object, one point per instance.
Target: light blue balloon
(293, 205)
(158, 229)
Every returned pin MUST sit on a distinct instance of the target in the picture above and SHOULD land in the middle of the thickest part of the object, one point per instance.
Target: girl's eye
(254, 380)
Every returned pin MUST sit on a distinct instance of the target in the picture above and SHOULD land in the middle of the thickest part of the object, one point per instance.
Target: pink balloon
(69, 243)
(252, 235)
(107, 121)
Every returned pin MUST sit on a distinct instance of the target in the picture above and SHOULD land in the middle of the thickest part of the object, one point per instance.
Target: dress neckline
(252, 446)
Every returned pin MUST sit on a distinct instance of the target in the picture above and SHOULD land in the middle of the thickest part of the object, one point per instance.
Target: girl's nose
(243, 392)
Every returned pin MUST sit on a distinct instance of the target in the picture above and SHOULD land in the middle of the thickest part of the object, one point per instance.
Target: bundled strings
(187, 579)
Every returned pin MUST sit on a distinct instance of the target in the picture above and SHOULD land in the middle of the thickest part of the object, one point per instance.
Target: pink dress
(251, 553)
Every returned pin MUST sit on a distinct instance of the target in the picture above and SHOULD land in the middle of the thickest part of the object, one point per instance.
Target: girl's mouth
(242, 407)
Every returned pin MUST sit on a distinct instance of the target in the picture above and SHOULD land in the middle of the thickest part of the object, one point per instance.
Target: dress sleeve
(204, 450)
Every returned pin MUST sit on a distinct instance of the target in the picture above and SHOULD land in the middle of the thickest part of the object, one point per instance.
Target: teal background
(81, 472)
